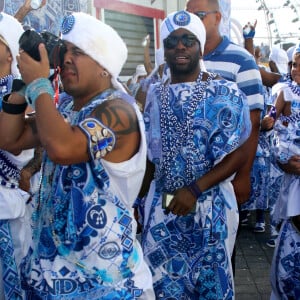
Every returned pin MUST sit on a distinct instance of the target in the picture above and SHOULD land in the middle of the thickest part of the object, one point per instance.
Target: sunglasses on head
(202, 14)
(188, 40)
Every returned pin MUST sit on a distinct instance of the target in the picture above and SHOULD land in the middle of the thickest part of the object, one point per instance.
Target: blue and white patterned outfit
(286, 264)
(260, 174)
(187, 134)
(84, 230)
(14, 212)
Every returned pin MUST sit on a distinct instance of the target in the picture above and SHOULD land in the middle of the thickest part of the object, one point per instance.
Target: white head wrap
(188, 21)
(139, 71)
(296, 50)
(98, 40)
(290, 52)
(280, 58)
(11, 30)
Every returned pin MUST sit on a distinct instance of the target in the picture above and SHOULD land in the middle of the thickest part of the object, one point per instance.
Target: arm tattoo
(34, 165)
(119, 116)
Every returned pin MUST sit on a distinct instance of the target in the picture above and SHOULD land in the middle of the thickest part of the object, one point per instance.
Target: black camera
(56, 49)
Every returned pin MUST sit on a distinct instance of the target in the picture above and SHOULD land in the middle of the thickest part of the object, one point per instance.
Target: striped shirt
(235, 63)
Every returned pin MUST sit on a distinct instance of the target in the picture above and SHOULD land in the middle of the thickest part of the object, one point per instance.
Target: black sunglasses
(188, 40)
(202, 14)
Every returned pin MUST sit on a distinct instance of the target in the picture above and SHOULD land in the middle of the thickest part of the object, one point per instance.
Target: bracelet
(36, 88)
(12, 108)
(194, 189)
(249, 35)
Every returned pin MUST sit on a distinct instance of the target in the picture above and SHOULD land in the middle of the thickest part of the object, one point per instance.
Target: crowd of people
(137, 190)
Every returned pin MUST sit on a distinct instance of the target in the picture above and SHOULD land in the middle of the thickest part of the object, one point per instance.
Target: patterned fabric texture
(189, 255)
(84, 234)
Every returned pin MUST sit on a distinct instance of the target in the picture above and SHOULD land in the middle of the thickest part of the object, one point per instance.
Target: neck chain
(295, 88)
(177, 134)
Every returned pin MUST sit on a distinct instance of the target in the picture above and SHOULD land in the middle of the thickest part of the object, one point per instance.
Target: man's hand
(293, 165)
(182, 203)
(31, 69)
(25, 9)
(267, 123)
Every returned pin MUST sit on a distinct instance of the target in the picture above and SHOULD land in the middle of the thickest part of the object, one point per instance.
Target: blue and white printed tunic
(84, 234)
(189, 255)
(286, 263)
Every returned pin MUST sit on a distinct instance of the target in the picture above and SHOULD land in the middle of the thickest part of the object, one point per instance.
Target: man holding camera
(84, 232)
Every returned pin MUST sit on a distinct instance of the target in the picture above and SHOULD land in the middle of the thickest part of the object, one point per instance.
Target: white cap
(280, 58)
(98, 40)
(11, 30)
(290, 52)
(186, 20)
(139, 71)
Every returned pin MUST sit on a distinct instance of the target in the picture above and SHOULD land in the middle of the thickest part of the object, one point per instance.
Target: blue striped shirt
(235, 63)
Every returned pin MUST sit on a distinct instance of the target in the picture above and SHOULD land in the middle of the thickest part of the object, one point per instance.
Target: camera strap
(56, 85)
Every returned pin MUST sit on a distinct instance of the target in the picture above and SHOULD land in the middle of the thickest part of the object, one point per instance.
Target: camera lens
(29, 42)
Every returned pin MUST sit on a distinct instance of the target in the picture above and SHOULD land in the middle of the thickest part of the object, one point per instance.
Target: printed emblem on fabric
(96, 217)
(182, 18)
(159, 232)
(67, 24)
(109, 250)
(101, 138)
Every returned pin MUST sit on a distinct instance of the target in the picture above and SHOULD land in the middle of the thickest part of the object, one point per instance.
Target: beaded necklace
(183, 131)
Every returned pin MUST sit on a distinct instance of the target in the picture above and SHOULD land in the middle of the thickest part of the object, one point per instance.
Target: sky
(283, 12)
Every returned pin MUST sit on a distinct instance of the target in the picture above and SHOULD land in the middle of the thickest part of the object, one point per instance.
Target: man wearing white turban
(84, 232)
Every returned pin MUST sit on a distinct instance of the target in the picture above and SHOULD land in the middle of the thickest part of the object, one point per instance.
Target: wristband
(194, 189)
(12, 108)
(36, 88)
(249, 35)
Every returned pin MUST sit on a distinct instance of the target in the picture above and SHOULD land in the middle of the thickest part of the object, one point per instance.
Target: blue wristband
(36, 88)
(194, 189)
(249, 35)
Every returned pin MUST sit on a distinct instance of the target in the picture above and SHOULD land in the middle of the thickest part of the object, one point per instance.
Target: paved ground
(253, 262)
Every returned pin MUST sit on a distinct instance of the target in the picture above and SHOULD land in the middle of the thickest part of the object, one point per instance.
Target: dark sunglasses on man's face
(188, 40)
(202, 14)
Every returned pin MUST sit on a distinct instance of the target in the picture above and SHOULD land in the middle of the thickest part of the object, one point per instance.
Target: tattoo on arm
(34, 165)
(118, 116)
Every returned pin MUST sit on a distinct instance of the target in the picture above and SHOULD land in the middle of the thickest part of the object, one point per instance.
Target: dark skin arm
(268, 78)
(184, 201)
(25, 9)
(30, 169)
(241, 181)
(148, 177)
(64, 143)
(293, 165)
(147, 58)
